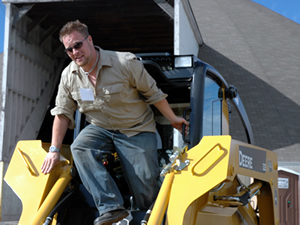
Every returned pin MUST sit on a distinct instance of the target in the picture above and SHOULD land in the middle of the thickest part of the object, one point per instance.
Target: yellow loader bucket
(38, 192)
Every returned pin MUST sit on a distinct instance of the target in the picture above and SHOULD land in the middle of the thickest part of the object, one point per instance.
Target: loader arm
(208, 190)
(38, 192)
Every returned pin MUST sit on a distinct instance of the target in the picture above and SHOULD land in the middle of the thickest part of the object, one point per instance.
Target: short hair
(73, 26)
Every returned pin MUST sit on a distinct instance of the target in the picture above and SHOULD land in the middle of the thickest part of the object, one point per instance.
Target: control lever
(183, 125)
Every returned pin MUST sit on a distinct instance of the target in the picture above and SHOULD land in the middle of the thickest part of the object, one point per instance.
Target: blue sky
(2, 18)
(287, 8)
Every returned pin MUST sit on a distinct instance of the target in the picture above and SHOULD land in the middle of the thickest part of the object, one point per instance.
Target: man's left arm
(176, 122)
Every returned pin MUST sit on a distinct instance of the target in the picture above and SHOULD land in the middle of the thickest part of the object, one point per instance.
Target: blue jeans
(138, 157)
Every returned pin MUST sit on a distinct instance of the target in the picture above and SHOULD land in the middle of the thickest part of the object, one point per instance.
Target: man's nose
(74, 50)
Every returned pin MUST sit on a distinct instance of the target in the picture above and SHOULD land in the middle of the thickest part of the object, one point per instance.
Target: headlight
(183, 61)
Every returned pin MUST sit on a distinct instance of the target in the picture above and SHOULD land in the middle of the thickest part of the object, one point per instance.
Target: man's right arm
(59, 129)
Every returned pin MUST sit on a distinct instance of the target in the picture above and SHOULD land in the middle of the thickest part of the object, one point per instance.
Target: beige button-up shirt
(121, 96)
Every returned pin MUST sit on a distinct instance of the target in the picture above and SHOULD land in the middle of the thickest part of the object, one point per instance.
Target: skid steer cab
(206, 176)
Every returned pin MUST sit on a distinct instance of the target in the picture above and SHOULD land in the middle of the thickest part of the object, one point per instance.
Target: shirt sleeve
(144, 83)
(64, 104)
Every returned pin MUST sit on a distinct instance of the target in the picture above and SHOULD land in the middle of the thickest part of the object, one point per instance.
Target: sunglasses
(78, 45)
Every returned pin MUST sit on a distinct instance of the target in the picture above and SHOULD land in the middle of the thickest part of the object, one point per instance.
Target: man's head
(73, 26)
(78, 44)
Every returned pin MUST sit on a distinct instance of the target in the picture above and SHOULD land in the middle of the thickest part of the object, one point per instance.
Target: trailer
(33, 58)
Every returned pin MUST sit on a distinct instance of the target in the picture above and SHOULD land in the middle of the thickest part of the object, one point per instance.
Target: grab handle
(212, 162)
(27, 164)
(183, 125)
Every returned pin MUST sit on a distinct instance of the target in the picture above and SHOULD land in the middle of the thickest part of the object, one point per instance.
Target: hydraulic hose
(60, 204)
(147, 216)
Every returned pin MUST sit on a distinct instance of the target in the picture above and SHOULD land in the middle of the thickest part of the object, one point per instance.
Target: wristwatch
(54, 149)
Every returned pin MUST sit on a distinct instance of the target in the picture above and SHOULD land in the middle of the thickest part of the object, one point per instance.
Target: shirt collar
(104, 60)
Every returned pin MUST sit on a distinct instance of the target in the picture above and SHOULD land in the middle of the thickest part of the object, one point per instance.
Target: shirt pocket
(113, 94)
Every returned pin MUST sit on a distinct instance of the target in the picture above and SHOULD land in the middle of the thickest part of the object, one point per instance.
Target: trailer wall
(29, 76)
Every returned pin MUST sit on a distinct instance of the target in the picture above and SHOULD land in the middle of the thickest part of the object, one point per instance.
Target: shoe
(111, 217)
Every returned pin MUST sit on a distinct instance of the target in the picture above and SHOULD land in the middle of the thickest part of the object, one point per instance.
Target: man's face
(82, 56)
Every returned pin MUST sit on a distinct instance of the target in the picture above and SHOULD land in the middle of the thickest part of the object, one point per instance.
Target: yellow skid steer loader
(207, 177)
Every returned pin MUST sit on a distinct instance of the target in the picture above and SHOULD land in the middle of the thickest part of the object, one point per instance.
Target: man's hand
(59, 129)
(52, 158)
(177, 123)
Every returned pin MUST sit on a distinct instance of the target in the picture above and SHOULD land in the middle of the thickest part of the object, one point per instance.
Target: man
(114, 91)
